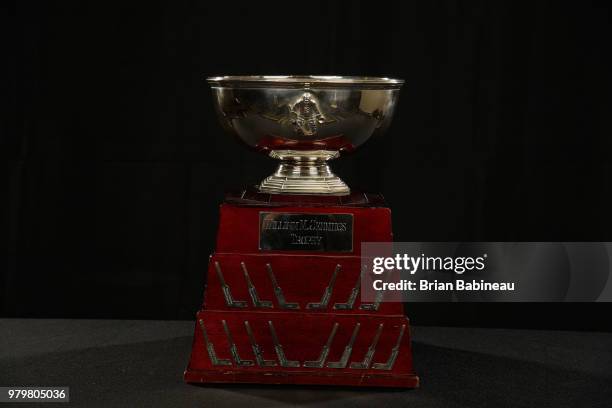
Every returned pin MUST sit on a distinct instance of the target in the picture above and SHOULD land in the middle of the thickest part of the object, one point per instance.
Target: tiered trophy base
(275, 313)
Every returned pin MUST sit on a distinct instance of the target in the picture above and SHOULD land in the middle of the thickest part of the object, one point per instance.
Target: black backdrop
(117, 164)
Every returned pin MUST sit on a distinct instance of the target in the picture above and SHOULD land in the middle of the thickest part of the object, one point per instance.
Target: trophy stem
(304, 172)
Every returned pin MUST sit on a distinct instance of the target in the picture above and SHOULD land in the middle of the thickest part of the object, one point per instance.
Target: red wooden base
(302, 378)
(290, 317)
(379, 354)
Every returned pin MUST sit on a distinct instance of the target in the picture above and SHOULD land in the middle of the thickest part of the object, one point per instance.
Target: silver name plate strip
(280, 231)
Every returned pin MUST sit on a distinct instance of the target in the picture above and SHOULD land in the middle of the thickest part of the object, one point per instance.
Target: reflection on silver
(347, 351)
(318, 363)
(303, 172)
(211, 349)
(304, 121)
(367, 359)
(388, 365)
(233, 349)
(348, 305)
(280, 297)
(306, 116)
(256, 349)
(227, 293)
(253, 292)
(322, 304)
(280, 353)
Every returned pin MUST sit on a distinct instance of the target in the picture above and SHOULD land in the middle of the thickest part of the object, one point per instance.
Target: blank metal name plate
(280, 231)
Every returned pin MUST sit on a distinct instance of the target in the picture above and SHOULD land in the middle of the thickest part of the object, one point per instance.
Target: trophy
(282, 303)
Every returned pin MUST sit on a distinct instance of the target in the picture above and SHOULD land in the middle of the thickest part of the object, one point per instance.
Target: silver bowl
(304, 121)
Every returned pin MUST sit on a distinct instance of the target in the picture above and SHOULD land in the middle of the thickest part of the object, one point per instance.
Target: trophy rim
(305, 81)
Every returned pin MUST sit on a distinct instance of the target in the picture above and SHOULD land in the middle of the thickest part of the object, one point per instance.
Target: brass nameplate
(280, 231)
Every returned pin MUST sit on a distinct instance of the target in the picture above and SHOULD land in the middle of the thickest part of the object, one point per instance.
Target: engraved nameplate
(280, 231)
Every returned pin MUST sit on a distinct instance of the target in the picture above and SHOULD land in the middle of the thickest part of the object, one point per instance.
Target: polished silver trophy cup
(304, 121)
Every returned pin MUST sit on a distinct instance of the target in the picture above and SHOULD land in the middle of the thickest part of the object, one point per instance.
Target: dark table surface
(117, 363)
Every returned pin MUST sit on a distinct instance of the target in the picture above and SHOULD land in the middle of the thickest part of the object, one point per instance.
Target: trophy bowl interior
(304, 113)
